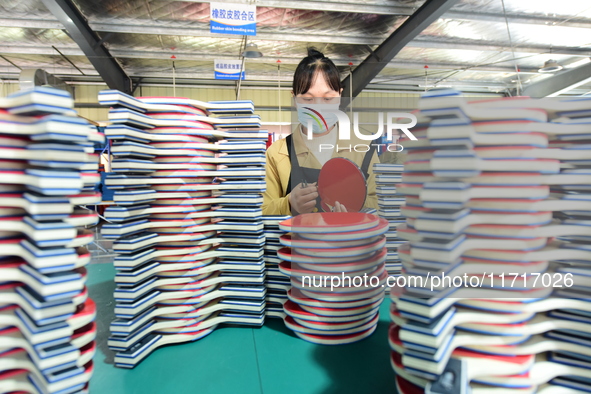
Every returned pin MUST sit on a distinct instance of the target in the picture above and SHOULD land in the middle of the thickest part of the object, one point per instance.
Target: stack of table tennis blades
(387, 177)
(241, 185)
(318, 249)
(189, 247)
(573, 118)
(486, 196)
(276, 282)
(47, 327)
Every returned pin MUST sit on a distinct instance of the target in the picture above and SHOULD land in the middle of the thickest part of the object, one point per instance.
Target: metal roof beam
(340, 39)
(31, 23)
(560, 83)
(63, 72)
(384, 8)
(375, 8)
(363, 74)
(196, 56)
(262, 78)
(474, 45)
(78, 29)
(525, 19)
(195, 31)
(155, 28)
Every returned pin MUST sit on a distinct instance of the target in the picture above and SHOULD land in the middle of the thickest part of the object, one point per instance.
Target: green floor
(268, 360)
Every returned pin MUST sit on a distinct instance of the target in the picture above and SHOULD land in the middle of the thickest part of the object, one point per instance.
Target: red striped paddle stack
(187, 224)
(47, 169)
(497, 260)
(336, 262)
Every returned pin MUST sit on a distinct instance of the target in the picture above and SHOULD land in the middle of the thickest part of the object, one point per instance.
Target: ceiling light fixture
(551, 66)
(251, 51)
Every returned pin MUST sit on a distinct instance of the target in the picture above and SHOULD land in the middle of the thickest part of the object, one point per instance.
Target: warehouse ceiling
(478, 46)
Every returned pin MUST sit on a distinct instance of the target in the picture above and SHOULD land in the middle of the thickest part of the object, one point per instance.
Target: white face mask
(320, 117)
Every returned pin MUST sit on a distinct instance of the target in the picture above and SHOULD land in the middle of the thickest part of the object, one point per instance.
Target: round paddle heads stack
(187, 226)
(479, 209)
(47, 334)
(342, 181)
(336, 265)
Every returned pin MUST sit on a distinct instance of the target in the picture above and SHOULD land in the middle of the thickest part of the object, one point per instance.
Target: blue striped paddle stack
(497, 271)
(48, 169)
(388, 175)
(277, 282)
(187, 221)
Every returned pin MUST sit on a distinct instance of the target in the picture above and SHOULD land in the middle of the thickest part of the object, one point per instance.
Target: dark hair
(315, 62)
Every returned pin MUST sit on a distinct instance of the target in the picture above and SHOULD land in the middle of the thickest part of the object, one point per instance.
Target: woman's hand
(338, 207)
(303, 199)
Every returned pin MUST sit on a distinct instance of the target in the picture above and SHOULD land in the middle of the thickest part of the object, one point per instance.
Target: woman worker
(294, 163)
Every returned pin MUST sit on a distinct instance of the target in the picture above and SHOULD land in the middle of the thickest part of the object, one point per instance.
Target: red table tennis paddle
(342, 181)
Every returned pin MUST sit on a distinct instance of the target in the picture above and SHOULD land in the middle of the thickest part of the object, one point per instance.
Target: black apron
(300, 174)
